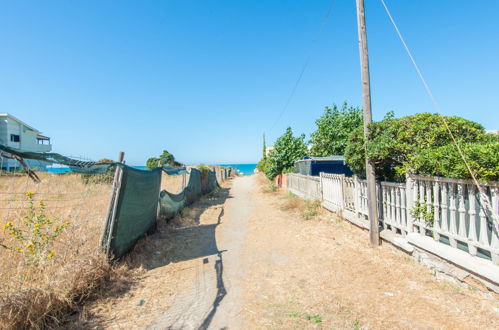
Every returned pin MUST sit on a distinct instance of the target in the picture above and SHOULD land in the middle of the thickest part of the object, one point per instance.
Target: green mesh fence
(199, 184)
(135, 211)
(77, 166)
(134, 206)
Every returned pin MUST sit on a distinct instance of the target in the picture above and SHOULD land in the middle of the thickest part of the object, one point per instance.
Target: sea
(244, 169)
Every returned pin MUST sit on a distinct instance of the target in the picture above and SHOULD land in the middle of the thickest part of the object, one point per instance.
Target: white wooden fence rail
(449, 210)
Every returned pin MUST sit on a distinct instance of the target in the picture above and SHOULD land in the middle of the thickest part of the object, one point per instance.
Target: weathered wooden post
(366, 96)
(113, 204)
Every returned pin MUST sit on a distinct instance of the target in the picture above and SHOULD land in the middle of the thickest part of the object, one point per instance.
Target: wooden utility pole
(366, 97)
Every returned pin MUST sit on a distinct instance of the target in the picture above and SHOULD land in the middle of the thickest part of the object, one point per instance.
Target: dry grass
(39, 296)
(323, 274)
(174, 183)
(266, 185)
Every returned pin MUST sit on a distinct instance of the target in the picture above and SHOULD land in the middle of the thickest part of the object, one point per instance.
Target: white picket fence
(448, 210)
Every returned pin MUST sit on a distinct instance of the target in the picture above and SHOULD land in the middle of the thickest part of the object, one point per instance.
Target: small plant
(270, 187)
(34, 234)
(204, 169)
(185, 212)
(288, 195)
(314, 318)
(311, 209)
(420, 211)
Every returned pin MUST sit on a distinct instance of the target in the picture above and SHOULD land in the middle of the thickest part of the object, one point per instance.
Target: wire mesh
(73, 201)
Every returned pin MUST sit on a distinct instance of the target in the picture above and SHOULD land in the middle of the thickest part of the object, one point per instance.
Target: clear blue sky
(204, 79)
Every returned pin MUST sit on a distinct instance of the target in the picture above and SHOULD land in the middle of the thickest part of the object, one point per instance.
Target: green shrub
(395, 144)
(445, 161)
(263, 165)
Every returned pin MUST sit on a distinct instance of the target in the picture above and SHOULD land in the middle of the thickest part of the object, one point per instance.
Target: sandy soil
(243, 259)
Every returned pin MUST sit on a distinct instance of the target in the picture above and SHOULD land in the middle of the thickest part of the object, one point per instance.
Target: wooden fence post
(113, 204)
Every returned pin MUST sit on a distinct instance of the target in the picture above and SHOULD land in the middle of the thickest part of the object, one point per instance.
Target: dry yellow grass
(37, 295)
(42, 296)
(174, 183)
(322, 274)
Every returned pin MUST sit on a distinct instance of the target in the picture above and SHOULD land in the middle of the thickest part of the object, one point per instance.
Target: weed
(356, 325)
(314, 318)
(185, 212)
(288, 195)
(472, 288)
(269, 188)
(205, 170)
(294, 315)
(311, 209)
(34, 233)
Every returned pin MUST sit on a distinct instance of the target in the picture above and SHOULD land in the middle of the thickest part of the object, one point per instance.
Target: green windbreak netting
(136, 209)
(199, 184)
(77, 165)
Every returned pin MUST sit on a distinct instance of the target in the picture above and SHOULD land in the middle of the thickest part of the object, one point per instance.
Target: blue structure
(314, 165)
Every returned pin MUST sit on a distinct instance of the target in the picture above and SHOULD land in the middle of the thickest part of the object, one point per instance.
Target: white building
(16, 134)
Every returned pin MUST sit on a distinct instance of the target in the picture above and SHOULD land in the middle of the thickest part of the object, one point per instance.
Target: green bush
(263, 165)
(165, 158)
(396, 145)
(333, 130)
(287, 150)
(483, 159)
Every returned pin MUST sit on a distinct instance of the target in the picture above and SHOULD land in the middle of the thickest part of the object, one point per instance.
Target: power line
(484, 196)
(307, 61)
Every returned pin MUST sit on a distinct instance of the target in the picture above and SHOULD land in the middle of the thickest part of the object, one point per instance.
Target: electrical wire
(484, 197)
(307, 61)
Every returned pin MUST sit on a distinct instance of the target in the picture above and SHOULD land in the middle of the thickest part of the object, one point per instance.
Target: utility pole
(366, 97)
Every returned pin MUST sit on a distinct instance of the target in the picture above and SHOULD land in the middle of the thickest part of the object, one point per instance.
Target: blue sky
(205, 79)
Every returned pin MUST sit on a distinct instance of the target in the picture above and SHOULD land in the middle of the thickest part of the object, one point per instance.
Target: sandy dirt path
(247, 259)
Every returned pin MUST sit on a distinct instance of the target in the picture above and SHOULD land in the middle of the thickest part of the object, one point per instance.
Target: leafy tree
(287, 150)
(445, 161)
(333, 130)
(165, 158)
(396, 143)
(263, 164)
(152, 162)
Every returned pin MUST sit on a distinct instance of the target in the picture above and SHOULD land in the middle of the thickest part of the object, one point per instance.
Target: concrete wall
(281, 181)
(304, 186)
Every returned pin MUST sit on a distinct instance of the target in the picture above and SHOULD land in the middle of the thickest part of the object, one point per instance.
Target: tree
(287, 150)
(333, 130)
(263, 164)
(165, 158)
(396, 143)
(264, 150)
